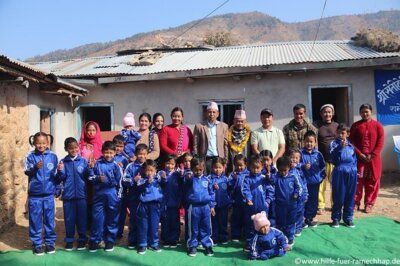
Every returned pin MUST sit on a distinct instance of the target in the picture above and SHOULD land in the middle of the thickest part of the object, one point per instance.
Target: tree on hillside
(219, 39)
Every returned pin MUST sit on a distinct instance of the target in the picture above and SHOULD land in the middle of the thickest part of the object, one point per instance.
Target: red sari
(367, 136)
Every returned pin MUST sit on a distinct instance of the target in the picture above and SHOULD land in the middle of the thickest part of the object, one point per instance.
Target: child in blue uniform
(269, 170)
(255, 194)
(344, 177)
(222, 201)
(106, 177)
(236, 179)
(130, 135)
(200, 202)
(122, 160)
(40, 167)
(268, 242)
(287, 192)
(313, 166)
(73, 172)
(148, 212)
(295, 168)
(172, 191)
(132, 176)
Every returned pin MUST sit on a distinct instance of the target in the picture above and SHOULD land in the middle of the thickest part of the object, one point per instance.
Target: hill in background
(244, 28)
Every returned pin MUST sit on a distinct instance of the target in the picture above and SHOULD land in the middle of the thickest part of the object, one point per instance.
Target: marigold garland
(233, 146)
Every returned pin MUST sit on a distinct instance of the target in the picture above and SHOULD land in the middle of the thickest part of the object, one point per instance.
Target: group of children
(270, 204)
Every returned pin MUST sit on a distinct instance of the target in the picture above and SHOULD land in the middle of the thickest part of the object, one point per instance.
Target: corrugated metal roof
(224, 57)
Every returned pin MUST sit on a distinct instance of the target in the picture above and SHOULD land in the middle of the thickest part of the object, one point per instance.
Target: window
(46, 120)
(226, 110)
(99, 113)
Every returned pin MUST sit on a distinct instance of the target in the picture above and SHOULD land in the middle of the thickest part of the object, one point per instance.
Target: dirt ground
(388, 204)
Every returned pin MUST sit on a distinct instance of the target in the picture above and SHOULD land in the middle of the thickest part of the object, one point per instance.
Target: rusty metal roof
(36, 73)
(283, 53)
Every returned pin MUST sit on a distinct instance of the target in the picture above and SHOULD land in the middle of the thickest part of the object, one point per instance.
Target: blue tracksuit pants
(220, 224)
(312, 203)
(199, 225)
(148, 217)
(106, 208)
(122, 214)
(132, 235)
(286, 219)
(300, 215)
(344, 183)
(170, 225)
(272, 214)
(42, 213)
(238, 220)
(75, 217)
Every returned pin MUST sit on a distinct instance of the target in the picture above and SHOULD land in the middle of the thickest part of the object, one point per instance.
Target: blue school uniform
(238, 204)
(269, 187)
(314, 177)
(131, 137)
(287, 193)
(132, 170)
(302, 198)
(120, 158)
(222, 203)
(344, 180)
(41, 190)
(148, 211)
(272, 244)
(170, 220)
(256, 188)
(73, 178)
(106, 200)
(200, 199)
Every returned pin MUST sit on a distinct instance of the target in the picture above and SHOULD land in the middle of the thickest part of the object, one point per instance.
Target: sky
(36, 27)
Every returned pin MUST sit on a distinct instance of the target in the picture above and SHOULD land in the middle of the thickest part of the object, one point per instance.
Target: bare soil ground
(388, 204)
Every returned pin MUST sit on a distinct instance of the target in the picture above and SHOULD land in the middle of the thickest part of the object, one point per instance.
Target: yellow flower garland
(233, 146)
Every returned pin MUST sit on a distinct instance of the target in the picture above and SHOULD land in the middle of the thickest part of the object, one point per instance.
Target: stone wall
(13, 149)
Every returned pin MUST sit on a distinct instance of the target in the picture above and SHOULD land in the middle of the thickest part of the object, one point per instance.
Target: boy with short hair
(106, 177)
(344, 177)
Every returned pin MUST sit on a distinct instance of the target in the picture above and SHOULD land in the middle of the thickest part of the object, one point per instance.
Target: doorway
(338, 96)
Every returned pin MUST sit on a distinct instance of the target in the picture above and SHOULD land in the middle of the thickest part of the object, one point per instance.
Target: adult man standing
(297, 127)
(268, 137)
(238, 136)
(211, 137)
(326, 133)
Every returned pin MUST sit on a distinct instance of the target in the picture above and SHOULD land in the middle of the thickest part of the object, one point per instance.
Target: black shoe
(93, 246)
(311, 223)
(173, 244)
(50, 249)
(209, 252)
(81, 245)
(246, 249)
(192, 252)
(291, 243)
(166, 244)
(69, 246)
(155, 249)
(141, 250)
(38, 251)
(131, 245)
(350, 224)
(109, 246)
(335, 224)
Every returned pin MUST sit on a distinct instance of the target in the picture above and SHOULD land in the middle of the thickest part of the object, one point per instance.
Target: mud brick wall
(13, 149)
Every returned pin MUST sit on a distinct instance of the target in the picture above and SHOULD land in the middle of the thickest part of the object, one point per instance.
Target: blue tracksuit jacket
(172, 188)
(272, 244)
(132, 170)
(316, 173)
(237, 184)
(120, 158)
(258, 189)
(238, 204)
(222, 194)
(131, 137)
(344, 180)
(287, 189)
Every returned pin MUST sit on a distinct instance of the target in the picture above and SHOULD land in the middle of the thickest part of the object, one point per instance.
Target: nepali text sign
(387, 92)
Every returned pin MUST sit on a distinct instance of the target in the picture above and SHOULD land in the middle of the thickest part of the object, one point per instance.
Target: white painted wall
(279, 92)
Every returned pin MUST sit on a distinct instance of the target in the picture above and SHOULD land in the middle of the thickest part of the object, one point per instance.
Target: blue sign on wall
(387, 92)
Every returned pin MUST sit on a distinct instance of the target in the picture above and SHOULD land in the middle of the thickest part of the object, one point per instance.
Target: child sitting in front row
(200, 203)
(268, 242)
(344, 177)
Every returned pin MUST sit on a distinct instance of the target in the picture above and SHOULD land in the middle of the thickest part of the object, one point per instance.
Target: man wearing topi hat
(210, 138)
(238, 135)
